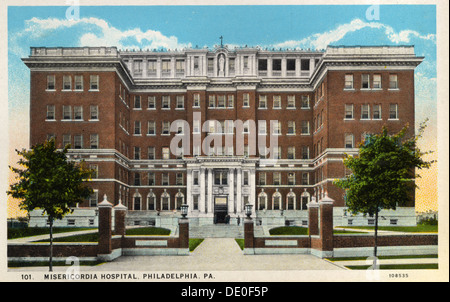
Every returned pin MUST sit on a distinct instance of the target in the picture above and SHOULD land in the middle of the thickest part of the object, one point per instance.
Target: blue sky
(172, 27)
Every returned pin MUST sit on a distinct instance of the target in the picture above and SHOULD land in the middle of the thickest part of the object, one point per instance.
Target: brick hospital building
(288, 117)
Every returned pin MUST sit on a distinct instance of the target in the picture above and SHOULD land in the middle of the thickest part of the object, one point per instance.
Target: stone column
(104, 227)
(189, 189)
(120, 212)
(253, 190)
(239, 190)
(202, 200)
(210, 186)
(231, 191)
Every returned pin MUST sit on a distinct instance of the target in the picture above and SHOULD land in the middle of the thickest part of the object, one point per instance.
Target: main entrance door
(221, 209)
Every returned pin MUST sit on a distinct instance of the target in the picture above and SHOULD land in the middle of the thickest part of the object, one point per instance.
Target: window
(212, 101)
(151, 102)
(165, 128)
(305, 127)
(304, 64)
(291, 101)
(137, 127)
(291, 128)
(277, 178)
(262, 64)
(277, 128)
(137, 153)
(50, 112)
(376, 112)
(151, 201)
(195, 177)
(348, 81)
(165, 201)
(231, 64)
(78, 141)
(165, 103)
(348, 140)
(393, 111)
(180, 102)
(262, 201)
(151, 152)
(377, 81)
(151, 128)
(138, 66)
(305, 179)
(165, 153)
(221, 101)
(66, 139)
(291, 153)
(179, 179)
(67, 112)
(195, 202)
(94, 82)
(165, 66)
(245, 177)
(165, 179)
(196, 62)
(196, 100)
(94, 141)
(79, 82)
(262, 127)
(93, 199)
(349, 111)
(196, 126)
(277, 102)
(262, 178)
(210, 64)
(78, 113)
(137, 102)
(276, 64)
(179, 66)
(151, 67)
(230, 101)
(290, 64)
(305, 152)
(221, 178)
(365, 115)
(67, 83)
(291, 178)
(365, 81)
(393, 81)
(246, 100)
(245, 62)
(51, 82)
(137, 202)
(94, 112)
(277, 201)
(246, 127)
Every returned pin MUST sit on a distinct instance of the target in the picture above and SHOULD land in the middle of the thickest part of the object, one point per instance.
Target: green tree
(383, 173)
(47, 180)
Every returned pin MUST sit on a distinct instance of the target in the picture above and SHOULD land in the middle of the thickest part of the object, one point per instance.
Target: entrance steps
(216, 231)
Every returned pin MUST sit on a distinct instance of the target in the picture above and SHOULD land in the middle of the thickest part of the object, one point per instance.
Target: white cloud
(322, 40)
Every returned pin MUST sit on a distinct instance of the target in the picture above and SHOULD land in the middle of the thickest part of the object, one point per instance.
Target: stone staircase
(216, 231)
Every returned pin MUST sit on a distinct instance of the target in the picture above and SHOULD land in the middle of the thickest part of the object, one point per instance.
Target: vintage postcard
(247, 141)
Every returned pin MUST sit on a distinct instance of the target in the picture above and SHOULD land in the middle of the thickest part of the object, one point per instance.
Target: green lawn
(148, 231)
(46, 263)
(397, 266)
(420, 228)
(14, 233)
(383, 257)
(194, 242)
(92, 237)
(240, 242)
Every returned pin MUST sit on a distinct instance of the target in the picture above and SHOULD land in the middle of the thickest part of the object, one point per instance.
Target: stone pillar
(326, 223)
(239, 190)
(104, 227)
(231, 191)
(202, 190)
(249, 236)
(253, 190)
(313, 213)
(189, 189)
(183, 233)
(210, 186)
(120, 212)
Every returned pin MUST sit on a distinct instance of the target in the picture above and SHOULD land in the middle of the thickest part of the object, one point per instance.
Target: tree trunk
(50, 265)
(376, 234)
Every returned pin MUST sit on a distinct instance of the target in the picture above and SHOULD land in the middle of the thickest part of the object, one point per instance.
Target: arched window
(290, 201)
(276, 201)
(165, 201)
(179, 200)
(137, 206)
(151, 201)
(262, 201)
(305, 199)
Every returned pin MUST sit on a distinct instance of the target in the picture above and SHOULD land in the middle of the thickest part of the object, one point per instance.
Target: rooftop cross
(221, 41)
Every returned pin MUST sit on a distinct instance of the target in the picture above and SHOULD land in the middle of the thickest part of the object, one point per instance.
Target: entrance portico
(219, 186)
